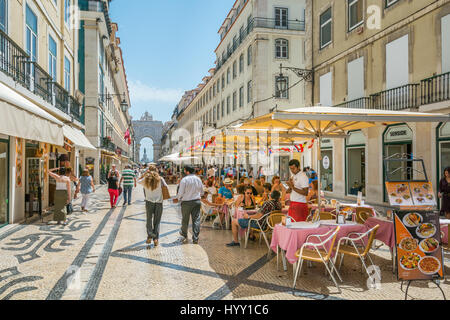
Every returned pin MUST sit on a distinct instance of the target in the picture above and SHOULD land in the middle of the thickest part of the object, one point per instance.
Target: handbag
(120, 191)
(165, 192)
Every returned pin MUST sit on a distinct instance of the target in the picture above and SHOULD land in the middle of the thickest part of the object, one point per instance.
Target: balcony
(295, 25)
(396, 99)
(108, 144)
(361, 103)
(16, 63)
(435, 89)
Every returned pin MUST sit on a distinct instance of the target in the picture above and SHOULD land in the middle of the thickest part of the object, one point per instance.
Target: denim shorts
(243, 223)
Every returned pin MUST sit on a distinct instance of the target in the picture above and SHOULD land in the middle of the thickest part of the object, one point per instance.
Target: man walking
(189, 193)
(129, 180)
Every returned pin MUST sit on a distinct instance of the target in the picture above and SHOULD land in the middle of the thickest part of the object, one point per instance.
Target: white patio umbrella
(331, 122)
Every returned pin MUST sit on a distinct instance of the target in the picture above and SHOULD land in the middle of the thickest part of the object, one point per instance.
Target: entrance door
(4, 183)
(400, 174)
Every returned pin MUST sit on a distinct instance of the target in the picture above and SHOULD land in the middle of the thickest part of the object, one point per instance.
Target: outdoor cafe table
(290, 240)
(353, 206)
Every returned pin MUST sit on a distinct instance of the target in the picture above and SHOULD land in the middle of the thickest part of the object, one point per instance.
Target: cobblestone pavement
(103, 255)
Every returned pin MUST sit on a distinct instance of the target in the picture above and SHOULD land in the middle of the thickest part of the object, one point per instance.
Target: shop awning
(78, 138)
(24, 119)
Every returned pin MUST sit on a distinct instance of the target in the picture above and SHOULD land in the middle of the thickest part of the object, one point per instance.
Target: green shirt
(128, 177)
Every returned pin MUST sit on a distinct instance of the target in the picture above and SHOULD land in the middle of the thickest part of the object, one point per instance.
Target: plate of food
(417, 190)
(402, 188)
(420, 199)
(410, 261)
(429, 245)
(406, 197)
(412, 219)
(426, 230)
(409, 244)
(429, 265)
(429, 197)
(393, 194)
(398, 200)
(426, 187)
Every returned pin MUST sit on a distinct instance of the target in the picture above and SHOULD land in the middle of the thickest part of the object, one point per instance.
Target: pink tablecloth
(290, 240)
(385, 232)
(444, 229)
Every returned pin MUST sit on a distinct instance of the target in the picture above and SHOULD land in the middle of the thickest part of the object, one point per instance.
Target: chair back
(327, 216)
(275, 217)
(362, 214)
(332, 238)
(372, 232)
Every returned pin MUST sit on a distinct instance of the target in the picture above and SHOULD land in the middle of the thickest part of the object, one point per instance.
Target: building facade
(387, 55)
(255, 39)
(42, 108)
(104, 84)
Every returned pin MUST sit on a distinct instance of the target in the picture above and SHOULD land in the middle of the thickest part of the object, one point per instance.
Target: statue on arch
(147, 117)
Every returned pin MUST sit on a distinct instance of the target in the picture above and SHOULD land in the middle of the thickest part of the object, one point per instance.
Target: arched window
(281, 49)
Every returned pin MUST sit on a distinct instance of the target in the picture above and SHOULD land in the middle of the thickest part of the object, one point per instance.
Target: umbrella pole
(319, 164)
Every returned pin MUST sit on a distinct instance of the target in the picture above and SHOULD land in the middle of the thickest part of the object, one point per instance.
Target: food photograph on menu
(399, 194)
(418, 240)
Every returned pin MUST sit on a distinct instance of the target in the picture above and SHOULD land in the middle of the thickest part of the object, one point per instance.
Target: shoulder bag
(165, 191)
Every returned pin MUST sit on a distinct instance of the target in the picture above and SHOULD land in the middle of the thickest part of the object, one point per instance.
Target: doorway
(4, 182)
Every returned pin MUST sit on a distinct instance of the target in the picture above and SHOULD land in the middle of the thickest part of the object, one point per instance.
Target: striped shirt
(128, 177)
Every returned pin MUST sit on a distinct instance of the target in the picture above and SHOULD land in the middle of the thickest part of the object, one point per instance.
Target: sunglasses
(249, 193)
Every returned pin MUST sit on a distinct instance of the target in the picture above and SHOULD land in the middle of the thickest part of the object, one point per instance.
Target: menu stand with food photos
(418, 250)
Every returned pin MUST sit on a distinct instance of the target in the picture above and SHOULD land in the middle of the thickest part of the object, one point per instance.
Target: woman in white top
(153, 184)
(63, 194)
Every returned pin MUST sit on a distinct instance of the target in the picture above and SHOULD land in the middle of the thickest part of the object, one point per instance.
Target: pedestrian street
(102, 255)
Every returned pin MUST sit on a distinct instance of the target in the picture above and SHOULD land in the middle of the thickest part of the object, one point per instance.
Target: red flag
(127, 134)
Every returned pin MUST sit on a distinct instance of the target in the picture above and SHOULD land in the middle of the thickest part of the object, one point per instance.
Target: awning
(24, 119)
(78, 138)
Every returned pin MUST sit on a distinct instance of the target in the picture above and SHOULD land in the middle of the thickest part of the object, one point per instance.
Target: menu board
(418, 245)
(408, 194)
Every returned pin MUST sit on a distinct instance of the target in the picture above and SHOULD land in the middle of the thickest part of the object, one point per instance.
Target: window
(445, 36)
(101, 86)
(397, 63)
(249, 91)
(218, 112)
(390, 2)
(249, 55)
(52, 52)
(67, 11)
(234, 70)
(355, 13)
(241, 63)
(284, 94)
(281, 18)
(355, 79)
(223, 81)
(214, 113)
(223, 108)
(31, 33)
(241, 97)
(67, 74)
(228, 104)
(228, 75)
(325, 28)
(326, 95)
(234, 101)
(281, 49)
(3, 15)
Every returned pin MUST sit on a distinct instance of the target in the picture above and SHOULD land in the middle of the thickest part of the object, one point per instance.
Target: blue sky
(168, 47)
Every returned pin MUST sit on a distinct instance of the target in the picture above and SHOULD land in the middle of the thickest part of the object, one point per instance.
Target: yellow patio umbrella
(331, 122)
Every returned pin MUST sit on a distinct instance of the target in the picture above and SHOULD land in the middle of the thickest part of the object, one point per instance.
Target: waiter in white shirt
(189, 193)
(298, 188)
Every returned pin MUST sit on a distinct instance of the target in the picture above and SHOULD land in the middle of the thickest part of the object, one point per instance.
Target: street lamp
(281, 82)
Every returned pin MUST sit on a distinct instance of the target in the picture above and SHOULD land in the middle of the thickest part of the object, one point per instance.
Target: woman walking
(153, 184)
(113, 188)
(444, 193)
(86, 188)
(63, 194)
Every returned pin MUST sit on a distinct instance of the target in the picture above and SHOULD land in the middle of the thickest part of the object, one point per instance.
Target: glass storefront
(398, 141)
(443, 141)
(4, 182)
(355, 148)
(326, 174)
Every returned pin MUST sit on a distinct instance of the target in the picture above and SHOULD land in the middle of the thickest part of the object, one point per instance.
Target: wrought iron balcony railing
(296, 25)
(361, 103)
(16, 63)
(435, 89)
(404, 97)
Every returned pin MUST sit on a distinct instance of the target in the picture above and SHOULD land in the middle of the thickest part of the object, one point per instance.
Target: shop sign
(356, 138)
(326, 143)
(398, 133)
(326, 162)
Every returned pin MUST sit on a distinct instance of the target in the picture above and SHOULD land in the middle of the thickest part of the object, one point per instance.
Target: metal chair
(319, 253)
(315, 216)
(262, 229)
(355, 249)
(362, 214)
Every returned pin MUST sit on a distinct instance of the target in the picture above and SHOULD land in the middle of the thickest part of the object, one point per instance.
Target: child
(267, 191)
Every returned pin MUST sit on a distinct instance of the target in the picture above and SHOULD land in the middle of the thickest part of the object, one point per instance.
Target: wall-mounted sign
(398, 133)
(326, 162)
